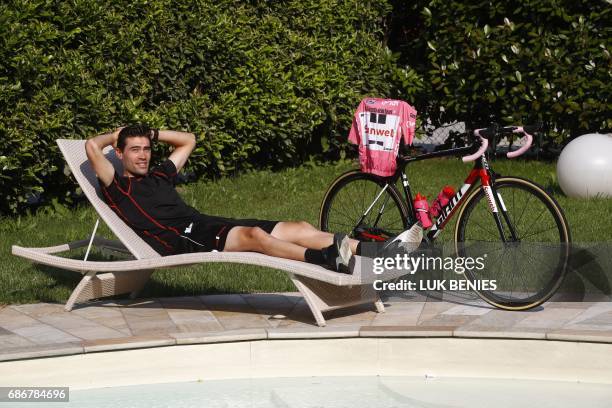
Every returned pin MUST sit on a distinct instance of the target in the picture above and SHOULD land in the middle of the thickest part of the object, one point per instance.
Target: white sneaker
(339, 255)
(408, 241)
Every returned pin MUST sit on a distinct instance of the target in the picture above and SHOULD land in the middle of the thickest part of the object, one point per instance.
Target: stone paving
(45, 329)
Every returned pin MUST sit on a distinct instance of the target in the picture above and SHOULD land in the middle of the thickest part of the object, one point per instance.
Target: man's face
(135, 156)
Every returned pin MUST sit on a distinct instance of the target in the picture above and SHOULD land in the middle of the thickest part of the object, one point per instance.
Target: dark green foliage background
(516, 61)
(272, 83)
(260, 83)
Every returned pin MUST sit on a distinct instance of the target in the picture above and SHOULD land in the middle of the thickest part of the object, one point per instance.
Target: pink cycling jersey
(378, 126)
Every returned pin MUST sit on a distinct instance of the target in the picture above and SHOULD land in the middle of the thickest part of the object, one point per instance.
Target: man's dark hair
(139, 130)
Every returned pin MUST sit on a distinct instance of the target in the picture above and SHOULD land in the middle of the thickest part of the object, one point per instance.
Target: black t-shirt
(151, 206)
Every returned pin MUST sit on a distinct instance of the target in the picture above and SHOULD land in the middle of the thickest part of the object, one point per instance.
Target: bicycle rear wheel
(531, 264)
(363, 206)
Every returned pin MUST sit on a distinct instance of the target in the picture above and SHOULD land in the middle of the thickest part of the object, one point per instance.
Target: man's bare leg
(257, 240)
(304, 234)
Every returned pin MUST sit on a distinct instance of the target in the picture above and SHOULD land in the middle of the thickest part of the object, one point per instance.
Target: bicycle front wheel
(527, 259)
(363, 206)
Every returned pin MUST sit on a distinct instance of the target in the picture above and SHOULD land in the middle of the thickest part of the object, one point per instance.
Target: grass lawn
(293, 194)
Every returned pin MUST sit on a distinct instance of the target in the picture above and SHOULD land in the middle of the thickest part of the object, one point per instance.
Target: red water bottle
(421, 208)
(440, 202)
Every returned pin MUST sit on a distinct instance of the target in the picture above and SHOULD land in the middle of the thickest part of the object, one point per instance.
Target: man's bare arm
(93, 147)
(183, 143)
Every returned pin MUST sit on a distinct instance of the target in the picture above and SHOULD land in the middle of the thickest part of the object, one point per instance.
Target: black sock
(314, 256)
(321, 256)
(330, 253)
(358, 250)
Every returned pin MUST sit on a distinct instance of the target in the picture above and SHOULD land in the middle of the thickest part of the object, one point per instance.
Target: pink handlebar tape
(528, 139)
(484, 143)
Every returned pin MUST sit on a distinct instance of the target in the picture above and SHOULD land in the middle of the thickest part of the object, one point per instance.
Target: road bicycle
(520, 227)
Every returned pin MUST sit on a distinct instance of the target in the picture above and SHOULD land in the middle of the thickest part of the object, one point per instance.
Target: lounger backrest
(74, 153)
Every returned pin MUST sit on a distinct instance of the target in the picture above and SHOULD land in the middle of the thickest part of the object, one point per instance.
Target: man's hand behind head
(116, 136)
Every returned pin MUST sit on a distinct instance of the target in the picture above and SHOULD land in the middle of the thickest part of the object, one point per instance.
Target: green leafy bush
(510, 61)
(261, 84)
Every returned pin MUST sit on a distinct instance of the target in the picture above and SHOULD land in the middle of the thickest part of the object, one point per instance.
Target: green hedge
(269, 84)
(260, 83)
(510, 61)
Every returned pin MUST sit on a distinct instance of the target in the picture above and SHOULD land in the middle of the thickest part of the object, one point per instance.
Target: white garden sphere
(584, 168)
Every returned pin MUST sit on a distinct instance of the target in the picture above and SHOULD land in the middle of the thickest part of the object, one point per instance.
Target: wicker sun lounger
(322, 289)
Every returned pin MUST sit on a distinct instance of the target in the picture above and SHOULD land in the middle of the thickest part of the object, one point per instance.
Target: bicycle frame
(481, 172)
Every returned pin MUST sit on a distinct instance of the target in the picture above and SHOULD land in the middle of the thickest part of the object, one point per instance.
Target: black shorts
(208, 233)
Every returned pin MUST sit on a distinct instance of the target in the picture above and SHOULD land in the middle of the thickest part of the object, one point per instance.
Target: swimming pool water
(349, 392)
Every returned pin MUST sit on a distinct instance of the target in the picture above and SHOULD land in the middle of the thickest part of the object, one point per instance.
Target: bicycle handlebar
(528, 139)
(484, 144)
(486, 133)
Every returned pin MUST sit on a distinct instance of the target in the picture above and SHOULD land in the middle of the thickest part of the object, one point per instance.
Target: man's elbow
(91, 147)
(93, 150)
(192, 140)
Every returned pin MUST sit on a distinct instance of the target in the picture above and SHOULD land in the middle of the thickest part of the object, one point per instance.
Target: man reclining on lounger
(148, 202)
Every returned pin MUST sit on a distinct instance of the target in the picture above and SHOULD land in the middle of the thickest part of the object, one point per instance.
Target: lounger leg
(321, 296)
(76, 293)
(312, 300)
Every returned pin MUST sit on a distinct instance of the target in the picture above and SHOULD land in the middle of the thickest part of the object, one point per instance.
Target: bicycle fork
(495, 202)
